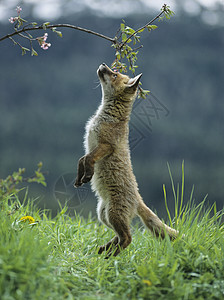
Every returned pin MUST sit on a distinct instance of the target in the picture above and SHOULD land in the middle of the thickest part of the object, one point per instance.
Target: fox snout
(104, 69)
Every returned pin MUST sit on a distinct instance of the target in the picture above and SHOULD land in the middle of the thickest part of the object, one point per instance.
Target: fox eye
(114, 76)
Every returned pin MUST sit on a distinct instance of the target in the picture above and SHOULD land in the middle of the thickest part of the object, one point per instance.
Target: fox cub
(107, 163)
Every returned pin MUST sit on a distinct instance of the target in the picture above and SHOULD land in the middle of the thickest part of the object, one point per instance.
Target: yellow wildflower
(27, 218)
(148, 282)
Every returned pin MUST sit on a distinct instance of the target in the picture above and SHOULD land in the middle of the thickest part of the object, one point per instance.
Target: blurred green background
(46, 100)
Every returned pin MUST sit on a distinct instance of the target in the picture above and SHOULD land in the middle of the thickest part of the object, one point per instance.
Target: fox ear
(133, 82)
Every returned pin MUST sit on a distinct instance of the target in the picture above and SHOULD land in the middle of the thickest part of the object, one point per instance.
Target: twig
(135, 49)
(143, 27)
(26, 37)
(112, 40)
(16, 43)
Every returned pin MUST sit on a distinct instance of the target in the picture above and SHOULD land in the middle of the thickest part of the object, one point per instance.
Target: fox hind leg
(121, 227)
(101, 212)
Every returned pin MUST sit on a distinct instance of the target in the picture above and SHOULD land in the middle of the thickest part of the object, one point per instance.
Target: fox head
(117, 85)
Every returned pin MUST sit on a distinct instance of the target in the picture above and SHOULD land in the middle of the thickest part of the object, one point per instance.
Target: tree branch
(112, 40)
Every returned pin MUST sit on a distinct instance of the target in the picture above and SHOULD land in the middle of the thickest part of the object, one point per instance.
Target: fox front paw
(85, 171)
(77, 183)
(87, 177)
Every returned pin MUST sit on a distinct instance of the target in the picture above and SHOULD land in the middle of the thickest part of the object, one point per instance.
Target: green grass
(56, 258)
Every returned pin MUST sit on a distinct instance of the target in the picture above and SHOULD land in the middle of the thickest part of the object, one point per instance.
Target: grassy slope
(57, 259)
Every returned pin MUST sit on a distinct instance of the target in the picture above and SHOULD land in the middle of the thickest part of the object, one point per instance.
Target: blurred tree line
(45, 102)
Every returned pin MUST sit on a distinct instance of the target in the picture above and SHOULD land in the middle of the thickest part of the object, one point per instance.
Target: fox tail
(153, 222)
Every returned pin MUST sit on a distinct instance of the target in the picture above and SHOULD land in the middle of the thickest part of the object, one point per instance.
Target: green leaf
(56, 31)
(59, 33)
(153, 26)
(45, 25)
(129, 30)
(141, 30)
(20, 23)
(34, 24)
(24, 50)
(118, 56)
(113, 64)
(40, 165)
(124, 37)
(22, 19)
(143, 93)
(122, 27)
(34, 53)
(136, 39)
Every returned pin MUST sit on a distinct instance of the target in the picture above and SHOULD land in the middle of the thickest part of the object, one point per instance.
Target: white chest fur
(91, 135)
(92, 130)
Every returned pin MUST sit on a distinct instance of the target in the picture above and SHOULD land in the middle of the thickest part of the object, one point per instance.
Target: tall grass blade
(167, 209)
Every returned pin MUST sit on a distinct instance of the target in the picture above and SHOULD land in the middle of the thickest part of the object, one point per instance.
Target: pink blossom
(42, 41)
(12, 20)
(45, 37)
(18, 9)
(45, 46)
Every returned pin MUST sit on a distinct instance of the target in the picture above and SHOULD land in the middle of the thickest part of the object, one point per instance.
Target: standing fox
(107, 163)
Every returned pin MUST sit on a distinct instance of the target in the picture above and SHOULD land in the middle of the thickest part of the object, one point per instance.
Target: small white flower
(18, 9)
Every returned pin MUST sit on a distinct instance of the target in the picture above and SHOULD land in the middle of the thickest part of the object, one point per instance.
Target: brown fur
(107, 163)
